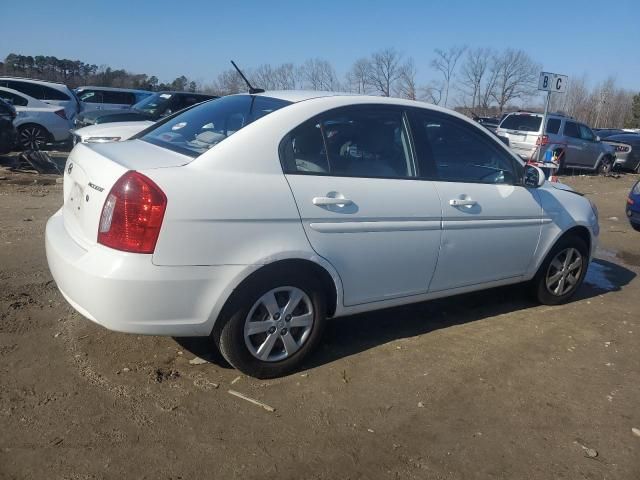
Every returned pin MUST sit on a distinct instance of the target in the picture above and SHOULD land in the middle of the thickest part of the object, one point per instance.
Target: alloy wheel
(564, 271)
(33, 137)
(278, 324)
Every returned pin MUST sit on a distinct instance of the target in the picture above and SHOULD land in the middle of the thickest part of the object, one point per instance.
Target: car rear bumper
(125, 292)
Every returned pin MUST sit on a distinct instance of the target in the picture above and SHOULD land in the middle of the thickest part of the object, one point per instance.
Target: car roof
(295, 96)
(173, 92)
(37, 80)
(112, 89)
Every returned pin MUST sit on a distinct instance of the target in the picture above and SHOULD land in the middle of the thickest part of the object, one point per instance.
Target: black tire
(33, 137)
(229, 331)
(605, 166)
(539, 283)
(635, 226)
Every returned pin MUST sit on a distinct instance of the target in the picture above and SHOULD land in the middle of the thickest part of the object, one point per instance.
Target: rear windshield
(525, 123)
(196, 130)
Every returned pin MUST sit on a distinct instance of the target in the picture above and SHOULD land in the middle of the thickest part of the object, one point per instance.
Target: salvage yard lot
(485, 385)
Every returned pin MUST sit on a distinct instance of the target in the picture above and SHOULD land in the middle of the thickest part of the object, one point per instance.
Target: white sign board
(552, 82)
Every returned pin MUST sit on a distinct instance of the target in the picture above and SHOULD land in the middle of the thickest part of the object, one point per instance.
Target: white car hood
(124, 130)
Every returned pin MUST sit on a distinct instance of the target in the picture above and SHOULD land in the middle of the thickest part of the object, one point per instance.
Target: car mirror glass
(533, 177)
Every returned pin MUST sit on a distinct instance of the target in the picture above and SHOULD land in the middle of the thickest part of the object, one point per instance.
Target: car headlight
(636, 189)
(100, 139)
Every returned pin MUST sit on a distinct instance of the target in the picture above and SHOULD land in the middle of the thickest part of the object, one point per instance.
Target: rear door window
(571, 130)
(522, 122)
(32, 89)
(120, 98)
(359, 141)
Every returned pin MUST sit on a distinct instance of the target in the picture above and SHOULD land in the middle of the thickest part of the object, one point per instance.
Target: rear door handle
(456, 202)
(324, 201)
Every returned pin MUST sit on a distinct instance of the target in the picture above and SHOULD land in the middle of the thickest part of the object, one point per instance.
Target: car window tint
(121, 98)
(586, 133)
(53, 94)
(450, 150)
(198, 129)
(354, 141)
(571, 130)
(90, 96)
(31, 89)
(12, 98)
(522, 122)
(553, 126)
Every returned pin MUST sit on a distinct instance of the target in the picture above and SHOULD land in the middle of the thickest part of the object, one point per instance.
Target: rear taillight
(545, 140)
(61, 114)
(132, 214)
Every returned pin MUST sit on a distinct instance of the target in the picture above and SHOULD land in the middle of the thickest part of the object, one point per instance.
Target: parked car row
(583, 148)
(47, 112)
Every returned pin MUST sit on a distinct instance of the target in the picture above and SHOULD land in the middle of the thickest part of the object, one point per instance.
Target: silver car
(582, 148)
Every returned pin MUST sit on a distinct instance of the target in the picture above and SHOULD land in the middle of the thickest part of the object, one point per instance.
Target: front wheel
(271, 324)
(562, 271)
(605, 166)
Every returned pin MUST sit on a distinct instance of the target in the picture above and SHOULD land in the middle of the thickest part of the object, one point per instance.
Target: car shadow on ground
(351, 335)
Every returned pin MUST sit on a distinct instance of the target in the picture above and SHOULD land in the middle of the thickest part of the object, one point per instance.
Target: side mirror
(533, 177)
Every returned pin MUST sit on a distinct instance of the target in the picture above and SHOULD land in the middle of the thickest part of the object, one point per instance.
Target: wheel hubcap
(564, 272)
(32, 137)
(278, 324)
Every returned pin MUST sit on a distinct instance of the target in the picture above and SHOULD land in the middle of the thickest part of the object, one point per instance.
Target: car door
(352, 173)
(117, 100)
(575, 152)
(491, 224)
(591, 147)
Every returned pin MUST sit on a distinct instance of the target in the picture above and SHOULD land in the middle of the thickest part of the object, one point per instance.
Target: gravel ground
(486, 385)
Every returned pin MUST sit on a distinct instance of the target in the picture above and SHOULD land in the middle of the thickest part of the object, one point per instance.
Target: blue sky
(197, 38)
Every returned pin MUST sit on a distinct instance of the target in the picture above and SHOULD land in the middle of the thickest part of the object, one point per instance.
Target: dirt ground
(487, 385)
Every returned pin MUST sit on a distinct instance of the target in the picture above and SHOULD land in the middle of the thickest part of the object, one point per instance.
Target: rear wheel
(33, 137)
(271, 324)
(562, 271)
(636, 226)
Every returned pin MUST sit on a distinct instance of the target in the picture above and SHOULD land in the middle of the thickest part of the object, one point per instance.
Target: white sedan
(255, 217)
(109, 132)
(37, 122)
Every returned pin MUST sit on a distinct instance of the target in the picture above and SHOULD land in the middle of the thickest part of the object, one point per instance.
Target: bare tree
(445, 63)
(318, 74)
(406, 84)
(475, 78)
(281, 77)
(516, 77)
(358, 76)
(228, 82)
(432, 92)
(386, 69)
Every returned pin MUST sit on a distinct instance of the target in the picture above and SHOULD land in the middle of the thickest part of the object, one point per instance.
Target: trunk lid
(91, 171)
(522, 130)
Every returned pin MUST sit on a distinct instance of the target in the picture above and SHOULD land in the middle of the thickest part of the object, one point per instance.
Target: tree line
(476, 81)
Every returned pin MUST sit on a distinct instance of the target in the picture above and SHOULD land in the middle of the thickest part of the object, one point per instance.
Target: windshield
(526, 123)
(198, 129)
(154, 103)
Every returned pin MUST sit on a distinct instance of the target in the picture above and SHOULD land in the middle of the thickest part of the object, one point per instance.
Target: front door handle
(456, 202)
(324, 201)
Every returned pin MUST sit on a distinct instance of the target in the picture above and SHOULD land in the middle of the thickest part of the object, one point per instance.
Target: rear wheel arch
(280, 267)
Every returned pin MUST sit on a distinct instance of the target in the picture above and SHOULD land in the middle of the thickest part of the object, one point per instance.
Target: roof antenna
(251, 89)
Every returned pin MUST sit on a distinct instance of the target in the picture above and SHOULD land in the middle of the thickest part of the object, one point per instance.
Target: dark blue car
(633, 206)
